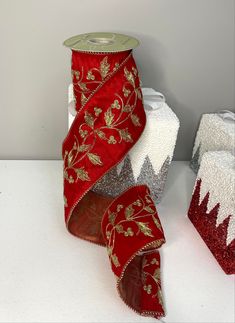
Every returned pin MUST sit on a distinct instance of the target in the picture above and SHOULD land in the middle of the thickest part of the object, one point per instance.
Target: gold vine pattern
(132, 225)
(91, 78)
(155, 277)
(119, 111)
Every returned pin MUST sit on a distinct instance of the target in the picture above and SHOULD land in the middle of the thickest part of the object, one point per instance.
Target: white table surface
(47, 275)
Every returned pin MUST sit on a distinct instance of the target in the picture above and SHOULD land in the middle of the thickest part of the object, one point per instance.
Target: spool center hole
(101, 41)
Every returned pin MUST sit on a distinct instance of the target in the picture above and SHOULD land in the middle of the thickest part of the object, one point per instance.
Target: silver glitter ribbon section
(113, 184)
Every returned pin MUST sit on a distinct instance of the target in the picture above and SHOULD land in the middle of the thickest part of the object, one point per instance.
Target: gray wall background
(186, 52)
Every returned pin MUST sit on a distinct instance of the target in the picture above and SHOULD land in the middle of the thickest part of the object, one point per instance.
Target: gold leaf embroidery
(68, 178)
(127, 108)
(135, 119)
(95, 159)
(115, 105)
(159, 295)
(83, 99)
(144, 228)
(129, 76)
(82, 86)
(82, 174)
(149, 209)
(157, 223)
(83, 133)
(129, 212)
(126, 92)
(148, 288)
(156, 275)
(116, 66)
(112, 217)
(147, 199)
(119, 207)
(154, 261)
(97, 111)
(70, 157)
(71, 179)
(134, 70)
(137, 202)
(65, 201)
(84, 147)
(115, 260)
(73, 157)
(109, 250)
(156, 278)
(108, 117)
(119, 228)
(112, 140)
(104, 67)
(66, 175)
(128, 232)
(90, 76)
(101, 134)
(125, 135)
(76, 74)
(89, 119)
(139, 95)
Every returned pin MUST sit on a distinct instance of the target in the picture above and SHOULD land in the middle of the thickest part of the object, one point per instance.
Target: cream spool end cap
(101, 42)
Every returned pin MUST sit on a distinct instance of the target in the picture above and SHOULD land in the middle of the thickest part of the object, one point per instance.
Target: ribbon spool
(109, 120)
(101, 43)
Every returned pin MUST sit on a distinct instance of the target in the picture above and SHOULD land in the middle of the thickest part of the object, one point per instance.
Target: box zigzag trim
(114, 182)
(214, 237)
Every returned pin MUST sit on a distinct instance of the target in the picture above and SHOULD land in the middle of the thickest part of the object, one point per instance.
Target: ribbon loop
(226, 115)
(153, 100)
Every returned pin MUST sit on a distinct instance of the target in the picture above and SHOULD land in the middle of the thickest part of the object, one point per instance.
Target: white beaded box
(149, 160)
(212, 209)
(214, 134)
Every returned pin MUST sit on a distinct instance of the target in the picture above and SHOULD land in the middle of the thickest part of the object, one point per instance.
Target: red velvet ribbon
(110, 119)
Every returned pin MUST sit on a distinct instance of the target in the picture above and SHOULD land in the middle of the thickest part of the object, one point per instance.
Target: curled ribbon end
(133, 233)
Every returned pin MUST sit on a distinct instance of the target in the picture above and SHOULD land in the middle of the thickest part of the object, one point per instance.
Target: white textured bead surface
(214, 133)
(217, 174)
(157, 140)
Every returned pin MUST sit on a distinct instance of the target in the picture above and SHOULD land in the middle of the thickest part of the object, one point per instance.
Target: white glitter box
(149, 160)
(212, 208)
(216, 132)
